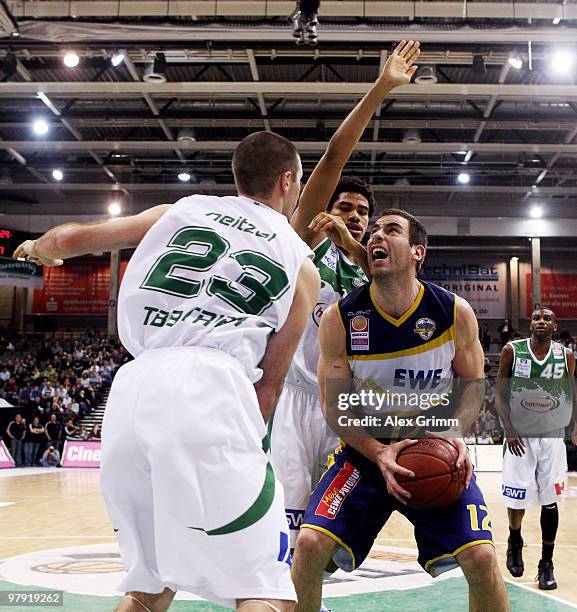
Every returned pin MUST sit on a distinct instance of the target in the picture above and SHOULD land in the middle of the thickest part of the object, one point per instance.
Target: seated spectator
(50, 458)
(70, 429)
(35, 436)
(95, 432)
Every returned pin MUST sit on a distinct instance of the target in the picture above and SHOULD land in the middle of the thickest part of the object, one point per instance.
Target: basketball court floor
(56, 535)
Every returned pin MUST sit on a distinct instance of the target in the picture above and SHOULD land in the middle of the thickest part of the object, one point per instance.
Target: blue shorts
(351, 504)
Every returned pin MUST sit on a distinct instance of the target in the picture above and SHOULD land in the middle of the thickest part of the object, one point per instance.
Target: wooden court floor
(49, 509)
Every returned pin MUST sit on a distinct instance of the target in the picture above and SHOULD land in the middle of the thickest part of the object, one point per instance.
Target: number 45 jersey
(213, 271)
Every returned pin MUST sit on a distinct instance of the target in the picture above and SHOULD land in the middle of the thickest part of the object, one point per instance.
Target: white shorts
(188, 486)
(301, 442)
(538, 477)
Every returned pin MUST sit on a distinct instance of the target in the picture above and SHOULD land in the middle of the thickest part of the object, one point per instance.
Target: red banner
(79, 287)
(558, 291)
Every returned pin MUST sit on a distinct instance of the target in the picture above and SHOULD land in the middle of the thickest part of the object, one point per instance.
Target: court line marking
(66, 537)
(525, 586)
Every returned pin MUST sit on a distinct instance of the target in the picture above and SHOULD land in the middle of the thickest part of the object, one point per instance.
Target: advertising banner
(558, 291)
(19, 273)
(6, 460)
(79, 287)
(483, 285)
(81, 453)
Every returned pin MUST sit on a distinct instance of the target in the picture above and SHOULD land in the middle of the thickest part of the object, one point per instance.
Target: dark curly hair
(354, 185)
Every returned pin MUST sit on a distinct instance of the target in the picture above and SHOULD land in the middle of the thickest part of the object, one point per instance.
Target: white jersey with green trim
(339, 277)
(541, 391)
(218, 272)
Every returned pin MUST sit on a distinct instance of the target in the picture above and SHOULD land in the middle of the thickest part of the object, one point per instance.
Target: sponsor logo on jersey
(294, 518)
(558, 351)
(330, 259)
(523, 367)
(559, 488)
(514, 493)
(540, 404)
(318, 312)
(337, 491)
(425, 327)
(358, 312)
(359, 331)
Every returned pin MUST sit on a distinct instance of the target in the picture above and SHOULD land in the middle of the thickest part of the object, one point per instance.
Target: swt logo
(514, 493)
(294, 518)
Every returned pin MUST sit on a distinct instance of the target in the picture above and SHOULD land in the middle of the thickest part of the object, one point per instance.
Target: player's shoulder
(360, 295)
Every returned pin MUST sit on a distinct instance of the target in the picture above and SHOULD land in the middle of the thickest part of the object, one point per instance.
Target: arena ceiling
(232, 67)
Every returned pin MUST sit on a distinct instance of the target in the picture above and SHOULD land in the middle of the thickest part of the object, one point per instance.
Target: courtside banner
(483, 285)
(19, 273)
(80, 453)
(6, 460)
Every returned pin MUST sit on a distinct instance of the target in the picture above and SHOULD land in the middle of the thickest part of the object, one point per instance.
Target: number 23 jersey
(213, 271)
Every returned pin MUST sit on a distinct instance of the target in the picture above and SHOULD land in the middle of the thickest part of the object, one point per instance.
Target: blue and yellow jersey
(416, 348)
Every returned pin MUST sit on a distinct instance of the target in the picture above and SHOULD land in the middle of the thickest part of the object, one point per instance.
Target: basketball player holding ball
(410, 326)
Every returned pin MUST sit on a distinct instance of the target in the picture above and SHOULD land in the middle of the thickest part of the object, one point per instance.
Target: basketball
(437, 482)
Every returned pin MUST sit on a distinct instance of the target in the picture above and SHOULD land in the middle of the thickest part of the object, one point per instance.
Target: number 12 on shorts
(474, 512)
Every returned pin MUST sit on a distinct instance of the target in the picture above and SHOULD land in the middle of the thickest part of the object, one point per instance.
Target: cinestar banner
(19, 273)
(483, 285)
(80, 453)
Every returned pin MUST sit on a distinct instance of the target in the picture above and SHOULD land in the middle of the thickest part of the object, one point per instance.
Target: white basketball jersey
(215, 272)
(339, 277)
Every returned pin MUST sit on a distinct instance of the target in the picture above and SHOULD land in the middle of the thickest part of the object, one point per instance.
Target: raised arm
(320, 187)
(74, 239)
(282, 345)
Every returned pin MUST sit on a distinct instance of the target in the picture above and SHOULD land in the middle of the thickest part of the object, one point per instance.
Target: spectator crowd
(54, 381)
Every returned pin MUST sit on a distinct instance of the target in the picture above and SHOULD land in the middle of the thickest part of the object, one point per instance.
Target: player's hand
(387, 462)
(400, 68)
(27, 250)
(515, 443)
(335, 229)
(464, 458)
(574, 436)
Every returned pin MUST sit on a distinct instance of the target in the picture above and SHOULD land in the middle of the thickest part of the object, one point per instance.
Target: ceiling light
(411, 136)
(117, 58)
(114, 209)
(563, 60)
(186, 135)
(536, 212)
(426, 75)
(71, 59)
(184, 177)
(463, 178)
(515, 61)
(57, 175)
(479, 64)
(40, 127)
(556, 20)
(155, 72)
(9, 65)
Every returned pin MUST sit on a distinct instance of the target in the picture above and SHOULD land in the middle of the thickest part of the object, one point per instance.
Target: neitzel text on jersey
(242, 224)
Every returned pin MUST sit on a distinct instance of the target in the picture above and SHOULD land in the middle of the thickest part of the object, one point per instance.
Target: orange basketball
(437, 482)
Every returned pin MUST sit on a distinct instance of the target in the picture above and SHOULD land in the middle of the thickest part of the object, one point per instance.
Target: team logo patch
(336, 493)
(359, 331)
(425, 328)
(522, 367)
(559, 488)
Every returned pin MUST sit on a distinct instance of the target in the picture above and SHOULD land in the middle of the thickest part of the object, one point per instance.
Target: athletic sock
(515, 535)
(547, 552)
